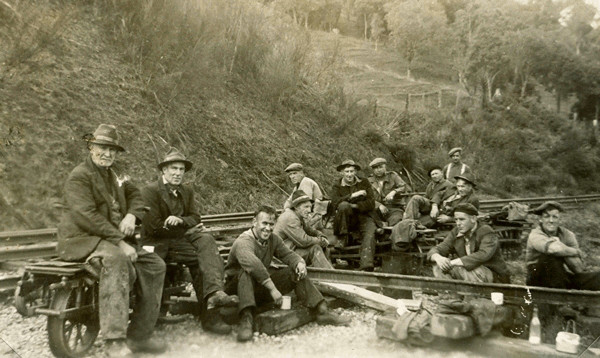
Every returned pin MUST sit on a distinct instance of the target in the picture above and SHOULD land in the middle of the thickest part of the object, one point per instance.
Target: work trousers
(346, 219)
(549, 271)
(252, 293)
(314, 256)
(393, 216)
(417, 205)
(118, 276)
(478, 274)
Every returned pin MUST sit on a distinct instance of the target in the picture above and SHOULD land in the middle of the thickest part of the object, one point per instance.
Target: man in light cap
(295, 172)
(456, 166)
(354, 204)
(387, 185)
(298, 236)
(553, 255)
(477, 249)
(173, 227)
(98, 227)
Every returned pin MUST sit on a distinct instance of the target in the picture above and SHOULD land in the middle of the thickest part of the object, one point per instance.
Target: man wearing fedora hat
(553, 255)
(456, 166)
(354, 204)
(476, 247)
(172, 226)
(98, 227)
(295, 172)
(386, 187)
(297, 235)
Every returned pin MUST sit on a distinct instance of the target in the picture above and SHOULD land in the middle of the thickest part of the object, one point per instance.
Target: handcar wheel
(72, 336)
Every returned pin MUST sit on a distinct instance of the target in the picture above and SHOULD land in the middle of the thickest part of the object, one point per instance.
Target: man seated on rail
(297, 235)
(386, 187)
(354, 204)
(172, 226)
(456, 166)
(98, 227)
(421, 205)
(553, 255)
(476, 247)
(251, 277)
(295, 172)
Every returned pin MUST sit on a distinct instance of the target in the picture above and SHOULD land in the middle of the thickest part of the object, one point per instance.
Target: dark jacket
(485, 250)
(87, 218)
(340, 193)
(447, 203)
(434, 188)
(156, 197)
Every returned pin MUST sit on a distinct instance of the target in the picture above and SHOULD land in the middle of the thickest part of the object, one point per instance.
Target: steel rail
(8, 283)
(512, 293)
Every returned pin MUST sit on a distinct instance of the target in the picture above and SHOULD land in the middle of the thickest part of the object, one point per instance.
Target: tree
(377, 28)
(364, 9)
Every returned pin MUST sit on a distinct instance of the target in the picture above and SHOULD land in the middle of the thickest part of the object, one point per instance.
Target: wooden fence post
(440, 99)
(407, 101)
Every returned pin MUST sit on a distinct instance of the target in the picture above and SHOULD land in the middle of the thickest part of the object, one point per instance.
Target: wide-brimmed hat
(454, 150)
(547, 205)
(377, 161)
(174, 155)
(468, 178)
(466, 208)
(294, 167)
(105, 134)
(348, 163)
(298, 197)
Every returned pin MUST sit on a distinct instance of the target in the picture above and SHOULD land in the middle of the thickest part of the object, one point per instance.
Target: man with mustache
(172, 226)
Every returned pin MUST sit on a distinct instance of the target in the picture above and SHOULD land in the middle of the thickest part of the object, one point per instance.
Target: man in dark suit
(172, 226)
(477, 249)
(98, 227)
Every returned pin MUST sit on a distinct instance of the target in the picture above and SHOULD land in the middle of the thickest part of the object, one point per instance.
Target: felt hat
(454, 150)
(548, 205)
(466, 208)
(294, 167)
(298, 197)
(468, 178)
(377, 162)
(174, 155)
(105, 134)
(348, 163)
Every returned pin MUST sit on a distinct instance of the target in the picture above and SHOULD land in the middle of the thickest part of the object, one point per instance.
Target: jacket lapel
(99, 182)
(164, 194)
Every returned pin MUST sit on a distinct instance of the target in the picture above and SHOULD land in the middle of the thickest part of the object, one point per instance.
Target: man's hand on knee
(443, 263)
(128, 250)
(127, 225)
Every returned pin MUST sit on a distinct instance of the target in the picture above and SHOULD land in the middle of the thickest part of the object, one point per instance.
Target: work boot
(245, 331)
(213, 322)
(148, 345)
(117, 348)
(221, 299)
(326, 317)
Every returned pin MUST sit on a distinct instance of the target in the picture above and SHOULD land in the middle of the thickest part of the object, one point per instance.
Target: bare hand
(456, 262)
(276, 296)
(127, 225)
(173, 221)
(324, 242)
(301, 270)
(358, 193)
(128, 250)
(443, 263)
(383, 209)
(390, 196)
(434, 212)
(444, 219)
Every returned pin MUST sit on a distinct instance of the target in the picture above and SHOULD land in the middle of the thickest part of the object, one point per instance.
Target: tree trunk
(408, 72)
(295, 16)
(523, 88)
(306, 21)
(365, 18)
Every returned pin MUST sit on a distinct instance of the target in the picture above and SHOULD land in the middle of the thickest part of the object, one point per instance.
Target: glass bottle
(535, 328)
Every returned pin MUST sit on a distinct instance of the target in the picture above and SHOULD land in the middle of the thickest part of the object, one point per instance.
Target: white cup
(498, 298)
(286, 304)
(148, 248)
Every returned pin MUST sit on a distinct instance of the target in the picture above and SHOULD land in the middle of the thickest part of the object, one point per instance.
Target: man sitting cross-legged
(173, 227)
(249, 274)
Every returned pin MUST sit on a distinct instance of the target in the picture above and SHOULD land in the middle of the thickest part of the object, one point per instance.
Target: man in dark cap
(251, 277)
(553, 255)
(354, 204)
(418, 205)
(456, 166)
(298, 236)
(295, 172)
(172, 226)
(387, 185)
(477, 249)
(98, 227)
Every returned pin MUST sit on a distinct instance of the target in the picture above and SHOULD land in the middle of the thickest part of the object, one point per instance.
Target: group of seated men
(98, 227)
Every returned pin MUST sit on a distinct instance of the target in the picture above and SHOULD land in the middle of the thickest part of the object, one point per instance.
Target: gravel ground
(27, 337)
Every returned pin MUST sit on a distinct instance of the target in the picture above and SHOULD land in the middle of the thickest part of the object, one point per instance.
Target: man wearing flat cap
(456, 167)
(98, 227)
(553, 255)
(477, 251)
(295, 172)
(387, 187)
(173, 227)
(354, 204)
(298, 236)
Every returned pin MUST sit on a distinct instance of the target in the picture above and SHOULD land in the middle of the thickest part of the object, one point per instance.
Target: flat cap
(377, 161)
(466, 177)
(466, 208)
(454, 150)
(294, 167)
(548, 205)
(348, 163)
(299, 197)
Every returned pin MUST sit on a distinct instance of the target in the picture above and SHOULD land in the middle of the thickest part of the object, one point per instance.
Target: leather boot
(221, 299)
(149, 345)
(245, 331)
(326, 317)
(212, 322)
